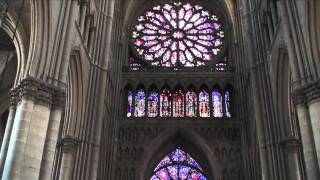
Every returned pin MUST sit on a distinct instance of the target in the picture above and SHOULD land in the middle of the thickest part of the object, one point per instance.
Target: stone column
(8, 130)
(26, 147)
(309, 150)
(312, 93)
(291, 149)
(69, 146)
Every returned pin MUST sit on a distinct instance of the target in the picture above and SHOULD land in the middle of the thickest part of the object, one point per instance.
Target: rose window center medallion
(177, 32)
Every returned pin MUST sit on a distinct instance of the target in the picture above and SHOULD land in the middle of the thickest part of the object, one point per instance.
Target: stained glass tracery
(227, 103)
(165, 103)
(153, 104)
(177, 33)
(178, 104)
(204, 107)
(191, 104)
(130, 104)
(178, 165)
(139, 108)
(217, 104)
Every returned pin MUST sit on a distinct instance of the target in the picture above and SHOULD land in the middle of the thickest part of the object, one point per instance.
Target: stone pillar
(312, 93)
(69, 146)
(291, 149)
(26, 147)
(309, 150)
(8, 130)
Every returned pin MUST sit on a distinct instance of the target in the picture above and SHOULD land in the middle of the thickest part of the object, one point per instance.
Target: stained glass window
(165, 103)
(177, 33)
(130, 104)
(217, 104)
(191, 104)
(204, 106)
(178, 165)
(139, 110)
(227, 103)
(153, 104)
(178, 104)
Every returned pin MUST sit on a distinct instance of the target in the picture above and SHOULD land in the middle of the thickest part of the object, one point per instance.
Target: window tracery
(179, 104)
(178, 165)
(174, 34)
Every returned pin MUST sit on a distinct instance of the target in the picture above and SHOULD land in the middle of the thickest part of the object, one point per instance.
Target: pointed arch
(189, 141)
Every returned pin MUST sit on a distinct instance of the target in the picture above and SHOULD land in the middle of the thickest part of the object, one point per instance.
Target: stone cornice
(38, 91)
(307, 94)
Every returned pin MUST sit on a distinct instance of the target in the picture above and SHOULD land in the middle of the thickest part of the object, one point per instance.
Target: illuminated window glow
(177, 33)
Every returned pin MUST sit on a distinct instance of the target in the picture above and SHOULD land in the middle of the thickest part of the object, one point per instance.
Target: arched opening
(178, 165)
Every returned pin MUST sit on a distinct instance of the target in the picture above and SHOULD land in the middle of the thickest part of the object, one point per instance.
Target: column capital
(291, 144)
(307, 93)
(38, 91)
(68, 143)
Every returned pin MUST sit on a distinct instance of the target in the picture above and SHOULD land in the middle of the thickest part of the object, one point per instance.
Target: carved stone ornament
(69, 143)
(291, 144)
(38, 91)
(307, 94)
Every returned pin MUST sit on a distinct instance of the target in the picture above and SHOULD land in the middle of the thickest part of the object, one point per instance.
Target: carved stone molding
(38, 91)
(307, 94)
(291, 144)
(69, 143)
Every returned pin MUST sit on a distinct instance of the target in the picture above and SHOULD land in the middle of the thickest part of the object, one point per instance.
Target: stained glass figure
(177, 32)
(130, 104)
(217, 104)
(153, 104)
(165, 103)
(139, 110)
(191, 104)
(178, 165)
(227, 103)
(204, 106)
(178, 104)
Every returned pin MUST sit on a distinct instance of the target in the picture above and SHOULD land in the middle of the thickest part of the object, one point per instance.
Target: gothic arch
(189, 141)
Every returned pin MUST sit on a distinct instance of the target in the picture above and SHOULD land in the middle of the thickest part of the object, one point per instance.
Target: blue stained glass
(182, 166)
(130, 104)
(191, 104)
(204, 107)
(227, 103)
(153, 104)
(217, 104)
(165, 103)
(139, 110)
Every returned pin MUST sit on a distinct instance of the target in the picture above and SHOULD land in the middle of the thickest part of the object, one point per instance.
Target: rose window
(177, 33)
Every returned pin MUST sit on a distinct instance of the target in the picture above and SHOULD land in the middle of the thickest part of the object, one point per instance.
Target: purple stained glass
(165, 103)
(153, 104)
(139, 110)
(227, 103)
(130, 104)
(177, 32)
(204, 107)
(178, 104)
(178, 165)
(217, 104)
(191, 104)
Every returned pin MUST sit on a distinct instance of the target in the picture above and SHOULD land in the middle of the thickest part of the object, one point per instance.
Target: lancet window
(179, 104)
